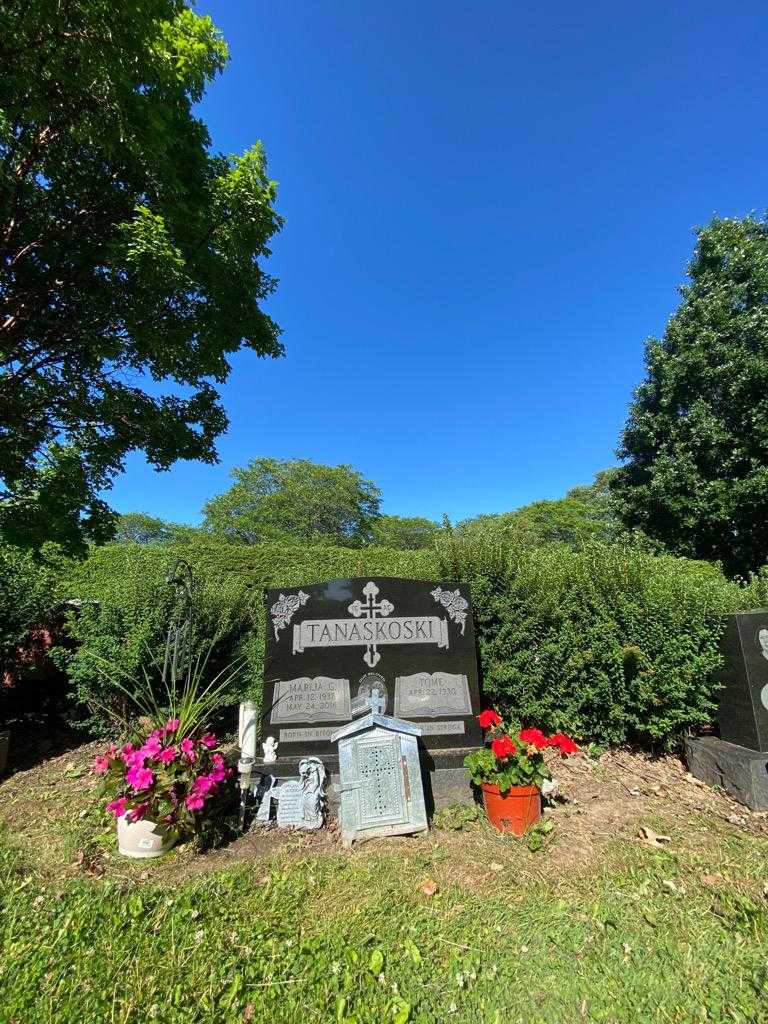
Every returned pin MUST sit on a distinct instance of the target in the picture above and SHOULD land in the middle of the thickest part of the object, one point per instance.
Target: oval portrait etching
(762, 642)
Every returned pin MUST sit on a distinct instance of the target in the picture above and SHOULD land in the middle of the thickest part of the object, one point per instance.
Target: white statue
(301, 802)
(312, 776)
(269, 749)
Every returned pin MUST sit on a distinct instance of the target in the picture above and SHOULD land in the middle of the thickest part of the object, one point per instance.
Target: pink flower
(188, 748)
(139, 778)
(167, 755)
(135, 759)
(111, 751)
(117, 807)
(152, 747)
(203, 784)
(209, 740)
(127, 750)
(172, 725)
(194, 801)
(218, 760)
(136, 813)
(100, 764)
(218, 774)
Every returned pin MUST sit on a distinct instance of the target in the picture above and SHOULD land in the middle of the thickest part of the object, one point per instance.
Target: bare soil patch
(52, 814)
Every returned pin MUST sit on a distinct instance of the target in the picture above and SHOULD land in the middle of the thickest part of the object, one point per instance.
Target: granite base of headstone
(740, 772)
(444, 783)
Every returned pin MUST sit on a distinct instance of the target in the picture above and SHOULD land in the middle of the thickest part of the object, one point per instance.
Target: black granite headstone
(743, 710)
(329, 645)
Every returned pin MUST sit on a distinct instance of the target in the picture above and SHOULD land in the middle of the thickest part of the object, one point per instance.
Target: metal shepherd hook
(178, 643)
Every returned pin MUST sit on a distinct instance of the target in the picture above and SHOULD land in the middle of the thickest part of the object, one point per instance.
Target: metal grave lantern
(380, 778)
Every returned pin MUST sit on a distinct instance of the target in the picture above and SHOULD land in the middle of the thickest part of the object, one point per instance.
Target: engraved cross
(369, 609)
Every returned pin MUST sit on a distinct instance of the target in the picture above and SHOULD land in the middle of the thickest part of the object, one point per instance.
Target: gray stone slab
(742, 773)
(743, 711)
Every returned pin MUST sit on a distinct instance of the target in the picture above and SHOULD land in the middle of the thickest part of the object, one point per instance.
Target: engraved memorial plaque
(289, 804)
(432, 695)
(329, 646)
(319, 699)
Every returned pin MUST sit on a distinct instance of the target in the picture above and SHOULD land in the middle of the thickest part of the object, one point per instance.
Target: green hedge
(125, 605)
(608, 643)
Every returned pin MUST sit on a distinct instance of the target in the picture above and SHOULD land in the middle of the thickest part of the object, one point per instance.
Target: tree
(696, 440)
(404, 533)
(130, 255)
(563, 521)
(140, 528)
(298, 500)
(598, 495)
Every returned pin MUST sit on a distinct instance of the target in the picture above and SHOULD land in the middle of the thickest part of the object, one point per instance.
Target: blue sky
(488, 209)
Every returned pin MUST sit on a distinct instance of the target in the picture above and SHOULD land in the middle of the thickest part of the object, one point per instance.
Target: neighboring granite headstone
(331, 645)
(743, 710)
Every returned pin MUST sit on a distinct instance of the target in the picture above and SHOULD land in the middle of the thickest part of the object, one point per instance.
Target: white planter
(142, 839)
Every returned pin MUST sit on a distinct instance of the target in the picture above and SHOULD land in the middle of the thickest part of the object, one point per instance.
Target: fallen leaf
(670, 885)
(652, 839)
(429, 888)
(712, 879)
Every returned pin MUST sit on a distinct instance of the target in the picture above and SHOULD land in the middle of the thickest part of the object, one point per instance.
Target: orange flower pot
(514, 811)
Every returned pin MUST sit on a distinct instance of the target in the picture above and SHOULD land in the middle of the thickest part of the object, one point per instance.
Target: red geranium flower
(503, 747)
(565, 743)
(533, 738)
(488, 719)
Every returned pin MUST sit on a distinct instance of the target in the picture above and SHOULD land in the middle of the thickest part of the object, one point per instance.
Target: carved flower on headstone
(454, 604)
(284, 609)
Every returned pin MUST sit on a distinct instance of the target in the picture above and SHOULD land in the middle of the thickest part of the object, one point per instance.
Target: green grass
(340, 939)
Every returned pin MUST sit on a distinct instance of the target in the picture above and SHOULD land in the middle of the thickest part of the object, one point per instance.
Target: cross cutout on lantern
(369, 609)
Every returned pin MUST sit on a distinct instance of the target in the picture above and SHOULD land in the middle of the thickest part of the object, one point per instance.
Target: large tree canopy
(142, 528)
(580, 516)
(298, 500)
(696, 441)
(129, 253)
(404, 533)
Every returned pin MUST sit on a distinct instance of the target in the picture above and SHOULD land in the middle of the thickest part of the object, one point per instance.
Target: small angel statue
(269, 749)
